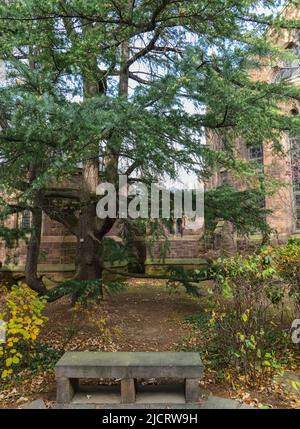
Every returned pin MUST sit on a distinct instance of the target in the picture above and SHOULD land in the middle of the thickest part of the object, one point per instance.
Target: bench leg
(66, 388)
(192, 392)
(128, 391)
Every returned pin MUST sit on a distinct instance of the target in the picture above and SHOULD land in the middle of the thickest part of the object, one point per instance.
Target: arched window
(256, 155)
(290, 68)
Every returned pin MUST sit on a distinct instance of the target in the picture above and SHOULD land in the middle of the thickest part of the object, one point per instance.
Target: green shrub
(41, 356)
(286, 262)
(244, 335)
(83, 291)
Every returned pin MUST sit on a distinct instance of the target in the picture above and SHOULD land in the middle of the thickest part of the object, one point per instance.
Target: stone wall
(177, 248)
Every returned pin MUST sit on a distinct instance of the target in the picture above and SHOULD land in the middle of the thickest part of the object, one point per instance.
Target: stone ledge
(181, 261)
(45, 268)
(42, 268)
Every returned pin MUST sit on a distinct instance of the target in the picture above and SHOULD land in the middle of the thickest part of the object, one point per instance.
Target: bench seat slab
(129, 365)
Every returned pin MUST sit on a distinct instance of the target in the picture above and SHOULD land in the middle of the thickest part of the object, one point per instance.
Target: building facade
(284, 168)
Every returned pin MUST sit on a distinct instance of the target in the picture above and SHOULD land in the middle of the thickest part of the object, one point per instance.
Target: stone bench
(128, 367)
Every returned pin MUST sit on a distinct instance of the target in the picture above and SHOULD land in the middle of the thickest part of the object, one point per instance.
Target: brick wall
(278, 167)
(178, 248)
(58, 253)
(57, 246)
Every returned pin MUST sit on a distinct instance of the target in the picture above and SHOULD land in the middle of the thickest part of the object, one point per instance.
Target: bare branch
(145, 50)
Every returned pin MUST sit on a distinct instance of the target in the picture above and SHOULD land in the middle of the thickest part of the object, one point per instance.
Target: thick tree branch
(145, 50)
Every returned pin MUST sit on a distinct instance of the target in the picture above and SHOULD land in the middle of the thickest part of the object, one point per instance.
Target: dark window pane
(26, 219)
(256, 153)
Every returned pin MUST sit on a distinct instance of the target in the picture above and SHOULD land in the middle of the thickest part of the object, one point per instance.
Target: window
(179, 227)
(175, 227)
(26, 219)
(101, 164)
(290, 68)
(101, 157)
(224, 178)
(295, 161)
(256, 154)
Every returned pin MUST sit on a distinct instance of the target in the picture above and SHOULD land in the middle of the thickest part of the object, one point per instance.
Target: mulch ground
(143, 317)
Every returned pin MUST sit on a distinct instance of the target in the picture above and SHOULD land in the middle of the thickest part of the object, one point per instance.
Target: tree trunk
(88, 260)
(33, 252)
(89, 264)
(33, 248)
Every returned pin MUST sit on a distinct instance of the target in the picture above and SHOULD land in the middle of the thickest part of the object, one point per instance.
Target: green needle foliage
(133, 84)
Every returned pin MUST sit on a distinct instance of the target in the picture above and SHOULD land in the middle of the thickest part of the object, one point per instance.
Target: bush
(84, 291)
(41, 356)
(286, 262)
(246, 337)
(23, 321)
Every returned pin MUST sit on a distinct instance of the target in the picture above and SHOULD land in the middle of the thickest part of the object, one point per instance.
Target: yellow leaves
(8, 362)
(244, 317)
(15, 359)
(23, 322)
(11, 341)
(241, 337)
(213, 319)
(295, 384)
(6, 373)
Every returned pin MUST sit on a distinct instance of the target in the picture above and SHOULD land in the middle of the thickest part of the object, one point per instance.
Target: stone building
(285, 202)
(58, 248)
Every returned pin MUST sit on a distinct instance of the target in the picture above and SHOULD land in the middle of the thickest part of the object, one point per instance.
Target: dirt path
(150, 318)
(144, 317)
